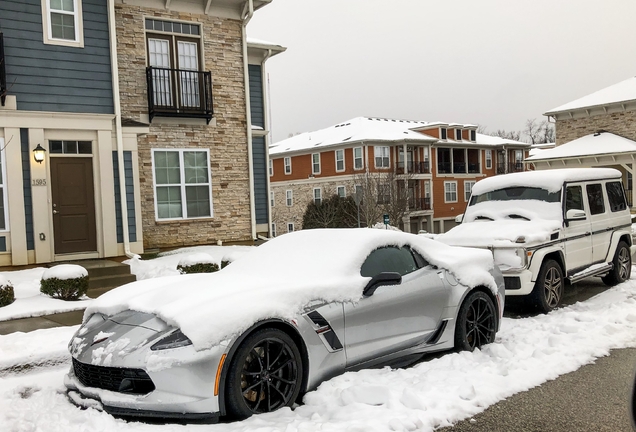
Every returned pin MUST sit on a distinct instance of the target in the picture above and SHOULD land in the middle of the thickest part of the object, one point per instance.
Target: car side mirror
(574, 214)
(459, 218)
(388, 278)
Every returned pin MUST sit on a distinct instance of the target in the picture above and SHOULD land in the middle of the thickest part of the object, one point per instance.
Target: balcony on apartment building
(458, 161)
(179, 93)
(414, 167)
(3, 73)
(416, 204)
(512, 167)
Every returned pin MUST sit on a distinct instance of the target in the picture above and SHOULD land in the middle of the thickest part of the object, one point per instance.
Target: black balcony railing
(444, 168)
(414, 167)
(419, 204)
(179, 93)
(515, 167)
(3, 72)
(473, 168)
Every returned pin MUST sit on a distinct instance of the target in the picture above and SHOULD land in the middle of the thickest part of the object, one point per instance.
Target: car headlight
(175, 339)
(93, 321)
(510, 258)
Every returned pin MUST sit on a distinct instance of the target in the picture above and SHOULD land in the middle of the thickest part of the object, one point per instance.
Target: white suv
(546, 227)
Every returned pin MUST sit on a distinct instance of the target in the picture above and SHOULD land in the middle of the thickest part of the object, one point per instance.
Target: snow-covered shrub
(6, 292)
(65, 282)
(197, 263)
(225, 263)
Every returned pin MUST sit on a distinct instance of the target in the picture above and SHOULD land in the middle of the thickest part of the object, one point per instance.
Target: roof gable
(623, 91)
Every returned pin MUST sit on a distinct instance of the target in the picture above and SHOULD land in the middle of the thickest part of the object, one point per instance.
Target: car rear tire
(265, 374)
(622, 269)
(476, 322)
(548, 289)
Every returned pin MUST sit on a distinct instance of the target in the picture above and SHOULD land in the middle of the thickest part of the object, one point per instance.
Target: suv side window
(389, 259)
(616, 196)
(595, 198)
(574, 198)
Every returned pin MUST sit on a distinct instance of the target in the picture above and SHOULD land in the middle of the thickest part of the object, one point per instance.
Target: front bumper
(522, 280)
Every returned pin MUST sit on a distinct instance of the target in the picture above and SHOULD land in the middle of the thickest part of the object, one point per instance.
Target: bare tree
(512, 135)
(332, 212)
(383, 193)
(539, 132)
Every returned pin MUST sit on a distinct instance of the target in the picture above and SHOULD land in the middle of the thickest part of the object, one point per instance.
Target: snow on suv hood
(501, 223)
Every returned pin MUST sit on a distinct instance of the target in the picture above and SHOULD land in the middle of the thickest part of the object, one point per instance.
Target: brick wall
(227, 139)
(620, 123)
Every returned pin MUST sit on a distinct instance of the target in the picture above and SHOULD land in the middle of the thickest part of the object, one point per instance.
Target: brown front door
(73, 205)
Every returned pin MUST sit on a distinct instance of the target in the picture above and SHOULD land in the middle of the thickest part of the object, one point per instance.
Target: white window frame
(271, 167)
(273, 233)
(271, 199)
(473, 135)
(182, 184)
(47, 31)
(361, 158)
(468, 187)
(488, 159)
(340, 152)
(315, 163)
(289, 197)
(381, 150)
(448, 189)
(317, 196)
(458, 135)
(290, 227)
(288, 166)
(518, 156)
(3, 186)
(344, 191)
(443, 131)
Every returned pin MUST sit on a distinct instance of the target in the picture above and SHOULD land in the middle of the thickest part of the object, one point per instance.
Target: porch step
(104, 275)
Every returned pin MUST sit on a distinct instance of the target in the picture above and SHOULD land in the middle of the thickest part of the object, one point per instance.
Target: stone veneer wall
(227, 140)
(303, 195)
(620, 123)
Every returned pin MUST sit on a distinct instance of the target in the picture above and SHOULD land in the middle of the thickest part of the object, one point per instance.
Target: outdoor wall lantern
(38, 153)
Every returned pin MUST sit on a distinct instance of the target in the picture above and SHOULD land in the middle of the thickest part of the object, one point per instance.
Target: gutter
(267, 139)
(118, 129)
(248, 12)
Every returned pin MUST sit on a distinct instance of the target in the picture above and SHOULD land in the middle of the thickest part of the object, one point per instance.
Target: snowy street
(438, 392)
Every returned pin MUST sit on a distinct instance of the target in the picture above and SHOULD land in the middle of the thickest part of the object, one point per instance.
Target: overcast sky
(494, 63)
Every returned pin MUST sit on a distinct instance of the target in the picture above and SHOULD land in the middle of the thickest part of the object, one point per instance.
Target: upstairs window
(315, 163)
(357, 158)
(468, 188)
(381, 156)
(443, 133)
(473, 135)
(287, 165)
(488, 159)
(458, 134)
(271, 167)
(62, 22)
(450, 191)
(340, 162)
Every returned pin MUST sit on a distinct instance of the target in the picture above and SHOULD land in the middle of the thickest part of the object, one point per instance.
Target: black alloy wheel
(265, 374)
(622, 266)
(548, 289)
(476, 322)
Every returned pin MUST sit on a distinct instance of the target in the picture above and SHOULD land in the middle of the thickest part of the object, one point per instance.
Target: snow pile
(279, 278)
(196, 258)
(380, 225)
(46, 346)
(434, 393)
(64, 272)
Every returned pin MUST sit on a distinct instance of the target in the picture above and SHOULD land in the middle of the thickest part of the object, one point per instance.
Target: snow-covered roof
(359, 129)
(280, 278)
(258, 43)
(551, 180)
(489, 140)
(620, 92)
(589, 145)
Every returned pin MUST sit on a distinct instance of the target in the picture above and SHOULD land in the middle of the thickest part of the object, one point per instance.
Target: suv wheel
(622, 265)
(548, 289)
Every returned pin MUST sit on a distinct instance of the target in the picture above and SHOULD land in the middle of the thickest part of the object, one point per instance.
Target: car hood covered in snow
(278, 279)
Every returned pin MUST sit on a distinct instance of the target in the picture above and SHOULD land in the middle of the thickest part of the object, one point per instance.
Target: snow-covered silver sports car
(276, 322)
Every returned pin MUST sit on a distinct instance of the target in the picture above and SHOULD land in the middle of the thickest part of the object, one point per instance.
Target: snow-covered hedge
(6, 292)
(65, 282)
(197, 263)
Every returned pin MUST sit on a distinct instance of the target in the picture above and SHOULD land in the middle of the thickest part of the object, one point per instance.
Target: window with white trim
(271, 167)
(271, 199)
(62, 23)
(290, 227)
(4, 210)
(315, 163)
(182, 183)
(381, 154)
(273, 230)
(287, 161)
(358, 162)
(458, 134)
(468, 188)
(340, 161)
(473, 135)
(450, 191)
(488, 159)
(289, 197)
(317, 196)
(443, 133)
(341, 191)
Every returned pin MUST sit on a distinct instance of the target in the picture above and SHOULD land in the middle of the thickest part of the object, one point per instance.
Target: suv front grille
(122, 380)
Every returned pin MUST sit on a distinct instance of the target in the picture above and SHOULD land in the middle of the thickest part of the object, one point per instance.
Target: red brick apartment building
(443, 161)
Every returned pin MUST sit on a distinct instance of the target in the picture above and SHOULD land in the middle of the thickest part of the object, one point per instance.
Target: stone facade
(225, 136)
(618, 123)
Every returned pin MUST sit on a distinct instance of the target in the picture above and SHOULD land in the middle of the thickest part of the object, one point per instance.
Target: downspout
(267, 137)
(118, 132)
(248, 112)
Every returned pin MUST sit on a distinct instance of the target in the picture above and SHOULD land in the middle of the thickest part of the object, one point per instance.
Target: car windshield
(518, 193)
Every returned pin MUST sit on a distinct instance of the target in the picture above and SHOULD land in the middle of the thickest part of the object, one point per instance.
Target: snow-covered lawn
(437, 392)
(29, 302)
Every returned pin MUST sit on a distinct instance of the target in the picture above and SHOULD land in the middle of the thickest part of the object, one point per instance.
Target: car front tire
(622, 269)
(548, 289)
(265, 374)
(476, 322)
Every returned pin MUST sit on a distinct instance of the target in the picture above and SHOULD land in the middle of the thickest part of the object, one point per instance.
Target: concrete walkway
(43, 322)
